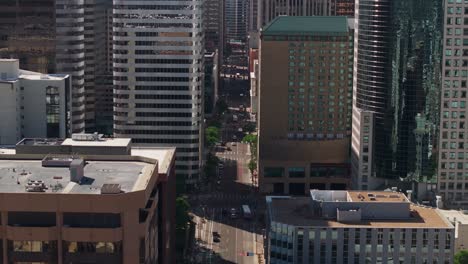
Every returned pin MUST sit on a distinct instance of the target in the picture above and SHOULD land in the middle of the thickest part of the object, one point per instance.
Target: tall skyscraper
(158, 78)
(396, 90)
(27, 32)
(70, 54)
(304, 108)
(97, 73)
(236, 20)
(453, 166)
(213, 24)
(270, 9)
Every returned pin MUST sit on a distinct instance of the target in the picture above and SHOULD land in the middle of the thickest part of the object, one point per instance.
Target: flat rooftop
(297, 211)
(307, 26)
(455, 215)
(379, 197)
(15, 174)
(105, 142)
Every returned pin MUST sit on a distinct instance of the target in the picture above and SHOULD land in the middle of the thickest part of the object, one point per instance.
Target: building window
(296, 172)
(271, 172)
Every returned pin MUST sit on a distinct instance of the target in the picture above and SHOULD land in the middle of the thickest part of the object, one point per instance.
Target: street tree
(182, 215)
(211, 136)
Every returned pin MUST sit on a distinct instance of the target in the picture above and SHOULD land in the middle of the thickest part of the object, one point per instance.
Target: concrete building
(335, 227)
(453, 166)
(32, 104)
(99, 201)
(158, 78)
(459, 220)
(304, 105)
(396, 94)
(27, 33)
(268, 10)
(70, 54)
(66, 37)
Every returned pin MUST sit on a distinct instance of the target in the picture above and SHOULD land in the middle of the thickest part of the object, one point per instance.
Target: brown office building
(305, 104)
(86, 200)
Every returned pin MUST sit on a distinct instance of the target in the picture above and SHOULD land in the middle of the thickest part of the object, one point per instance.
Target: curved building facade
(70, 54)
(397, 69)
(158, 77)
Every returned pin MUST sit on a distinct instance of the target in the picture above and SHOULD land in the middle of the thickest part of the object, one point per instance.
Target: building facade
(304, 108)
(236, 20)
(334, 227)
(70, 54)
(90, 208)
(213, 23)
(27, 33)
(396, 91)
(158, 78)
(98, 75)
(452, 167)
(268, 10)
(32, 104)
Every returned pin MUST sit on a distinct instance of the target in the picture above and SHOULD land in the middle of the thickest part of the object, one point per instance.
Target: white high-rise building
(158, 77)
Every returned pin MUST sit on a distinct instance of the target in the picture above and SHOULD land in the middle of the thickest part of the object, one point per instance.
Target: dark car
(216, 234)
(216, 239)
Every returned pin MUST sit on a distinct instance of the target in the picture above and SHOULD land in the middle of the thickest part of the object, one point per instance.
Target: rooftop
(455, 215)
(15, 175)
(307, 25)
(298, 211)
(103, 142)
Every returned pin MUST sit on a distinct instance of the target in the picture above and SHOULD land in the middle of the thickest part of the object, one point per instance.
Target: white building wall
(9, 113)
(387, 245)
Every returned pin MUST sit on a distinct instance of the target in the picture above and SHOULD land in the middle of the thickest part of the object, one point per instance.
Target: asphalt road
(237, 237)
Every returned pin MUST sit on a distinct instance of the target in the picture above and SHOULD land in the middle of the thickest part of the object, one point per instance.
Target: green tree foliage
(182, 215)
(252, 166)
(461, 257)
(251, 139)
(249, 127)
(211, 136)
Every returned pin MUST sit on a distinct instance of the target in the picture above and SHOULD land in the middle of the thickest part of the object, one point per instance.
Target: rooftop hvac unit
(36, 186)
(87, 137)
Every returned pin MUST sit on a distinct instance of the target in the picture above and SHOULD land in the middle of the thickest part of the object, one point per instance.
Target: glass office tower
(396, 90)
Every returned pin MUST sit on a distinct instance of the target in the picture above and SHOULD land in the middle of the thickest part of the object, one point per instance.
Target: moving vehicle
(246, 212)
(233, 214)
(235, 118)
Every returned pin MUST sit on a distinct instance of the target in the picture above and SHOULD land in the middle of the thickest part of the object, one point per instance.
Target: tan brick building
(305, 104)
(99, 201)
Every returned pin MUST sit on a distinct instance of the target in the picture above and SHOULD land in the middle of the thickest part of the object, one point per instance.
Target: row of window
(299, 172)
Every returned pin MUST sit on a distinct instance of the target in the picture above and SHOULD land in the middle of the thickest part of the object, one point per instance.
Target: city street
(221, 238)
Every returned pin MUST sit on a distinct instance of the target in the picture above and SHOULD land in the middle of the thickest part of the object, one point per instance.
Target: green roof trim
(307, 26)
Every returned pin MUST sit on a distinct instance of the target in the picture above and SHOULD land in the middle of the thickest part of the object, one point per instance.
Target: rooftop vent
(87, 137)
(36, 186)
(77, 170)
(111, 188)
